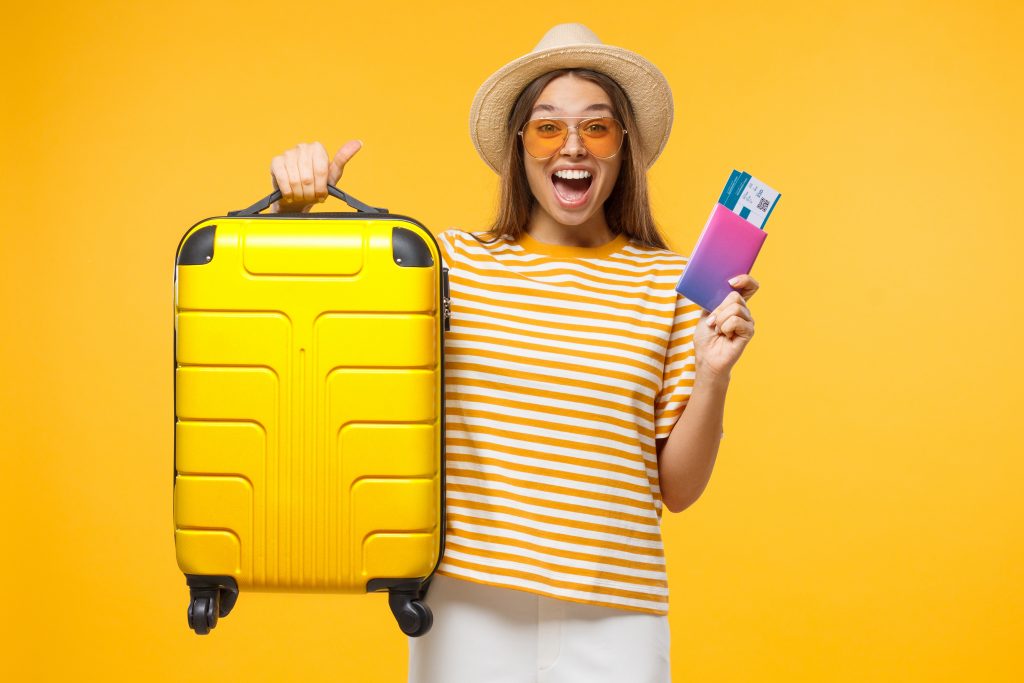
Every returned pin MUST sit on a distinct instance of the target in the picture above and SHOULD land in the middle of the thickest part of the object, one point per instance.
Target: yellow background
(864, 520)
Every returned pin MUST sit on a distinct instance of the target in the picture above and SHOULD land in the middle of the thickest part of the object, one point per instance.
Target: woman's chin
(569, 216)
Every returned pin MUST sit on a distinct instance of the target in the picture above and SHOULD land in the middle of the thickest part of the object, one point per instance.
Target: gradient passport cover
(727, 246)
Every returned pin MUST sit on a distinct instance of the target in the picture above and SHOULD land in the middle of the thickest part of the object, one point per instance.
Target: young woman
(569, 363)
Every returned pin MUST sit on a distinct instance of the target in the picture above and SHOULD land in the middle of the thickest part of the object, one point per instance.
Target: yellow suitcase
(308, 404)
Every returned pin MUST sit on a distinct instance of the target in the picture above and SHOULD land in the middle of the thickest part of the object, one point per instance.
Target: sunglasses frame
(583, 141)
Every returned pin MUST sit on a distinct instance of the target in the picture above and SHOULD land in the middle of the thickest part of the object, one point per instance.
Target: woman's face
(569, 95)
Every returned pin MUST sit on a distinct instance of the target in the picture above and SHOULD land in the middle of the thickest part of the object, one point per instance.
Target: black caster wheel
(416, 619)
(406, 601)
(202, 613)
(210, 598)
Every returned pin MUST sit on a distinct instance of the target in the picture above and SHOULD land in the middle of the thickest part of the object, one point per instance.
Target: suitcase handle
(331, 189)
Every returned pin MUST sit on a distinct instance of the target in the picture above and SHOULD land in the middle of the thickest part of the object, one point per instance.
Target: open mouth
(572, 192)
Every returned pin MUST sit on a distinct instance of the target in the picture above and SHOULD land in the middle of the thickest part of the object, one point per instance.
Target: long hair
(627, 209)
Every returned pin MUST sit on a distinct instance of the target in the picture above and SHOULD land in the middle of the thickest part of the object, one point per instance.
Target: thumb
(341, 158)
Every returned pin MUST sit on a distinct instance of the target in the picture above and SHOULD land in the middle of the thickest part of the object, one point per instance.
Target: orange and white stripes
(562, 366)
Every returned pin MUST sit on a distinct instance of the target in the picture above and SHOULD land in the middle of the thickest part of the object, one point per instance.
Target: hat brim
(644, 84)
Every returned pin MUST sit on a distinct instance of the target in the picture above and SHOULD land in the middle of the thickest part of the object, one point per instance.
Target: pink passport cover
(727, 246)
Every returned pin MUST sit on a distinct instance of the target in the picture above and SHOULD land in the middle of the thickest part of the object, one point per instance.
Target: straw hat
(572, 45)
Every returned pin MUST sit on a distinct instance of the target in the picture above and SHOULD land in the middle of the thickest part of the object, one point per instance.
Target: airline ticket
(748, 197)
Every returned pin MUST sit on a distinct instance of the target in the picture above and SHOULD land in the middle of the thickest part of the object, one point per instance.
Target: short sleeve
(680, 368)
(444, 240)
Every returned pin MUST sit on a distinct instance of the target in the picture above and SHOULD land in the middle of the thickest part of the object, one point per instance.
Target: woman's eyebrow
(548, 107)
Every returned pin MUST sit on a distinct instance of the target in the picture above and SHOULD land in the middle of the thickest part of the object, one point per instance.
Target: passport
(730, 241)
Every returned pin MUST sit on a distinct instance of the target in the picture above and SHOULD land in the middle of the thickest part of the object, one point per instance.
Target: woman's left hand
(718, 346)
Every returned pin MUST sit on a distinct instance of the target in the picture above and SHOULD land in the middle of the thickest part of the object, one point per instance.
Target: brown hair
(627, 208)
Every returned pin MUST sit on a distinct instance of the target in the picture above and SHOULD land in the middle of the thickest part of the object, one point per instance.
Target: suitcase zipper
(447, 308)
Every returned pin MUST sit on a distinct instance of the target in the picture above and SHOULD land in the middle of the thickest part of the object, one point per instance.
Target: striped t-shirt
(562, 366)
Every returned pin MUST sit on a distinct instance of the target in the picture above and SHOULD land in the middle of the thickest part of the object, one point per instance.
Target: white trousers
(490, 634)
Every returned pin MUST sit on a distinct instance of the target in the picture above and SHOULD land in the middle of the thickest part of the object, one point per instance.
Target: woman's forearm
(687, 456)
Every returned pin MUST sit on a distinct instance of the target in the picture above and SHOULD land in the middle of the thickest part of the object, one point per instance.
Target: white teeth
(572, 175)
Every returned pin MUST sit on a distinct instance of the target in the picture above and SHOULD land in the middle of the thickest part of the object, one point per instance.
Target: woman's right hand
(302, 173)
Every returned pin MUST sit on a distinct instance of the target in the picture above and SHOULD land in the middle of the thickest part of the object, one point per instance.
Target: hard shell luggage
(308, 404)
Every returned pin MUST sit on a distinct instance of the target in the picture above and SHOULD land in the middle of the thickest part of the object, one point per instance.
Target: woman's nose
(573, 144)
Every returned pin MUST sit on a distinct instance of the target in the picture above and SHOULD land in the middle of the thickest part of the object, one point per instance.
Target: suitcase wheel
(416, 619)
(210, 598)
(203, 611)
(411, 613)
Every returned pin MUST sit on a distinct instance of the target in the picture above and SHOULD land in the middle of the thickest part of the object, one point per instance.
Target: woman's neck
(592, 233)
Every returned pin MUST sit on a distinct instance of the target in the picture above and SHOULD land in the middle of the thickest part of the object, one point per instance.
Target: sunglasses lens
(543, 137)
(603, 137)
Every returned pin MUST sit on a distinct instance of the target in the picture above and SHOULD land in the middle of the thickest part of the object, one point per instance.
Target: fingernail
(711, 320)
(360, 142)
(734, 280)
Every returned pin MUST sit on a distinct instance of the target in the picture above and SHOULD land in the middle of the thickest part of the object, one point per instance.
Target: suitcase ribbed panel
(307, 439)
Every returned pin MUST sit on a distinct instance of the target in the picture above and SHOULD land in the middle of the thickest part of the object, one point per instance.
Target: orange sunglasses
(602, 136)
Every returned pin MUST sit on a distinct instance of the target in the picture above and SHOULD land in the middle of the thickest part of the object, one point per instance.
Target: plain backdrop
(864, 520)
